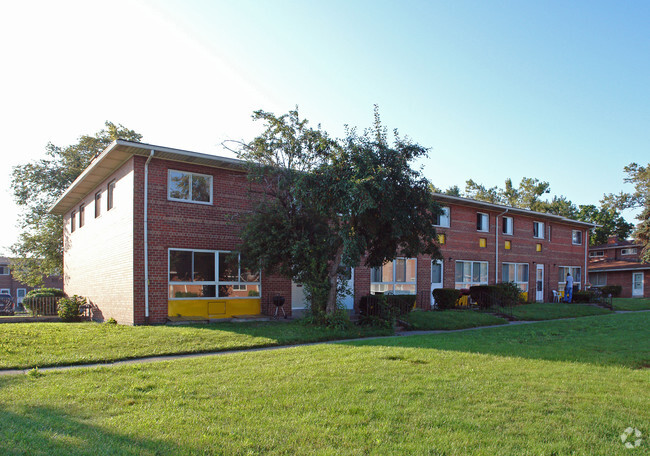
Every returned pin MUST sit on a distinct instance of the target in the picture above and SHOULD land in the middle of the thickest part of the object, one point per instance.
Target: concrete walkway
(153, 359)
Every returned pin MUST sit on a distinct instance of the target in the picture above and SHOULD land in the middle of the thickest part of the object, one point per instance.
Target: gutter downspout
(496, 248)
(584, 277)
(146, 237)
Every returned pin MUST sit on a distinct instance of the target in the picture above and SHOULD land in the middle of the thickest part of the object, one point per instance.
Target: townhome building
(16, 289)
(619, 263)
(150, 234)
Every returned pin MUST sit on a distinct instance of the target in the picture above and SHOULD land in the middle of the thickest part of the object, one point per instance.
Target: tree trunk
(333, 278)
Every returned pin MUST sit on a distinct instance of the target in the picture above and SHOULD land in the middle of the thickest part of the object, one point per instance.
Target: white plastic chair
(556, 296)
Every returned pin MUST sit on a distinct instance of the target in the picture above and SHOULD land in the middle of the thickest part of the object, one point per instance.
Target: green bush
(445, 298)
(508, 294)
(582, 296)
(45, 292)
(69, 307)
(614, 290)
(485, 296)
(376, 310)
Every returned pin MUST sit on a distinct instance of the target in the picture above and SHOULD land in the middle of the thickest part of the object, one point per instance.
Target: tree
(36, 186)
(639, 176)
(328, 202)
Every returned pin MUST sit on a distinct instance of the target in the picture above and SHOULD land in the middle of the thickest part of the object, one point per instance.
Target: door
(436, 277)
(348, 299)
(20, 295)
(637, 284)
(539, 283)
(298, 299)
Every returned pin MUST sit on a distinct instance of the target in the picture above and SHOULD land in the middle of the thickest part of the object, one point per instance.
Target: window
(506, 225)
(482, 242)
(110, 188)
(517, 273)
(576, 237)
(628, 251)
(210, 274)
(82, 215)
(470, 273)
(4, 270)
(5, 291)
(596, 253)
(575, 273)
(507, 245)
(598, 279)
(196, 188)
(538, 230)
(394, 277)
(98, 204)
(482, 222)
(73, 216)
(443, 218)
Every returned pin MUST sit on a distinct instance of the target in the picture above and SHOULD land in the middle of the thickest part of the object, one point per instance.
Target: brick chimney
(612, 240)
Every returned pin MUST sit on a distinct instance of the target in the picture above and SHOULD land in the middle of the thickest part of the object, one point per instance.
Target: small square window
(442, 219)
(507, 245)
(538, 230)
(576, 237)
(538, 247)
(482, 222)
(506, 226)
(442, 239)
(482, 242)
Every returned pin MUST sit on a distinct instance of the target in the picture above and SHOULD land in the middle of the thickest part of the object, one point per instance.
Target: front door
(436, 277)
(539, 283)
(348, 299)
(20, 295)
(637, 284)
(298, 298)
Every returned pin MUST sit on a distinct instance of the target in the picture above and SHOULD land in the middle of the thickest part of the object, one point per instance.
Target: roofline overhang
(619, 269)
(120, 151)
(515, 210)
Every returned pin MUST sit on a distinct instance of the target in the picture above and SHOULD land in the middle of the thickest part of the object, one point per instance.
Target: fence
(43, 305)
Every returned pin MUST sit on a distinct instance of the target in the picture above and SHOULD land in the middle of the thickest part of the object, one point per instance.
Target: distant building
(618, 263)
(17, 289)
(149, 235)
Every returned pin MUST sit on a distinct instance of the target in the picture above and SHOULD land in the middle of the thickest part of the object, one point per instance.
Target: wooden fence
(46, 305)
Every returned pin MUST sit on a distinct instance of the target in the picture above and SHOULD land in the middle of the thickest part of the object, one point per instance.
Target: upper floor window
(538, 230)
(110, 188)
(506, 225)
(98, 204)
(482, 222)
(82, 215)
(73, 216)
(596, 253)
(442, 219)
(4, 270)
(576, 237)
(184, 186)
(394, 277)
(628, 251)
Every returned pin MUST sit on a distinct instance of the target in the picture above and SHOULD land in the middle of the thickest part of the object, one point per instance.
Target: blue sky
(559, 91)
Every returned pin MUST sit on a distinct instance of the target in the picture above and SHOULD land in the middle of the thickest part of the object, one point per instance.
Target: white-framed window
(190, 187)
(631, 251)
(598, 279)
(575, 273)
(4, 270)
(482, 222)
(538, 230)
(596, 253)
(443, 218)
(73, 216)
(210, 274)
(395, 277)
(98, 204)
(5, 291)
(517, 273)
(110, 189)
(576, 237)
(82, 215)
(470, 273)
(506, 225)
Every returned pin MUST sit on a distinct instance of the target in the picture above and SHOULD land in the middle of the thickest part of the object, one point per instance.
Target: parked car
(6, 304)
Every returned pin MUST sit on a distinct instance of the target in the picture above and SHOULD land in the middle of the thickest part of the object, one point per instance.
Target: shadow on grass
(615, 340)
(50, 431)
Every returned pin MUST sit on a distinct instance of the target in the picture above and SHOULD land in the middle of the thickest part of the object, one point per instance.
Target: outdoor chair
(556, 296)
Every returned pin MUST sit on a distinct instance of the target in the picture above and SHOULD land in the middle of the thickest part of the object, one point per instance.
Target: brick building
(18, 290)
(150, 233)
(619, 263)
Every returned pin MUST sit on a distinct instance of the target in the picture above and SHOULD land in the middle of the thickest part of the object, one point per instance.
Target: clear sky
(559, 91)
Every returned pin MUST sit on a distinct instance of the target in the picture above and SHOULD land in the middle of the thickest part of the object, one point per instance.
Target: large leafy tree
(639, 176)
(326, 202)
(36, 186)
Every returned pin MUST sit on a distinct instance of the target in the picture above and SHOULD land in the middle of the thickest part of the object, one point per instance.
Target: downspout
(584, 275)
(146, 238)
(496, 247)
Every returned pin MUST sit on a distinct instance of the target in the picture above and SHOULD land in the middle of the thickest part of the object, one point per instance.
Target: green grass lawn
(631, 304)
(444, 394)
(450, 319)
(553, 310)
(24, 345)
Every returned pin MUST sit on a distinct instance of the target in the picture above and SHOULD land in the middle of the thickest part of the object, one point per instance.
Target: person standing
(568, 288)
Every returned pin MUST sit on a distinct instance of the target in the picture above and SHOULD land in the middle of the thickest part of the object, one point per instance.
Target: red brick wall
(624, 279)
(7, 281)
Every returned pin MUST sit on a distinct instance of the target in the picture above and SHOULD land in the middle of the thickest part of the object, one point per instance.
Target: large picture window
(394, 277)
(598, 279)
(517, 273)
(575, 273)
(210, 274)
(470, 273)
(184, 186)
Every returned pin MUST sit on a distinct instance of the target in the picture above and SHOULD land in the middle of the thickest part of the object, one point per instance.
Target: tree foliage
(327, 202)
(36, 186)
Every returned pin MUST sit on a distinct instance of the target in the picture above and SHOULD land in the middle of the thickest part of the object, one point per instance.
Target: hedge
(445, 298)
(614, 290)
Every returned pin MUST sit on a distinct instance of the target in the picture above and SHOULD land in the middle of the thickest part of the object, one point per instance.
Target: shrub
(485, 296)
(508, 294)
(69, 307)
(111, 321)
(614, 290)
(582, 296)
(445, 298)
(377, 310)
(45, 292)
